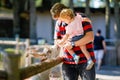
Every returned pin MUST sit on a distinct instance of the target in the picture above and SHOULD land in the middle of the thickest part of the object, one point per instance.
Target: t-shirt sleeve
(87, 26)
(56, 31)
(102, 38)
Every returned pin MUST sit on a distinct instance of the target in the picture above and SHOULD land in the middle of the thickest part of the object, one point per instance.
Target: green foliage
(38, 3)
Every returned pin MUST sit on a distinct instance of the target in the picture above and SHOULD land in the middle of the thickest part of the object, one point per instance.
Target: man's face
(55, 17)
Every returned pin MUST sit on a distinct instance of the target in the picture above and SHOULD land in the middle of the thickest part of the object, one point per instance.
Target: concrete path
(108, 73)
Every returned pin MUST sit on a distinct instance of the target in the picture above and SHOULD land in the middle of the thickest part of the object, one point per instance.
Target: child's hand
(60, 43)
(68, 45)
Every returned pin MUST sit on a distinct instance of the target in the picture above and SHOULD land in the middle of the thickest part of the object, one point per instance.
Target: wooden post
(27, 44)
(28, 60)
(11, 63)
(17, 44)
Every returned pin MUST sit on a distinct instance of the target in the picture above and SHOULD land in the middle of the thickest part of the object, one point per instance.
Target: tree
(117, 29)
(117, 18)
(87, 9)
(20, 13)
(17, 10)
(107, 18)
(32, 19)
(71, 5)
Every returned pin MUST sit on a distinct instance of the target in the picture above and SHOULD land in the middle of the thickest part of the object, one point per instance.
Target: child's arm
(63, 40)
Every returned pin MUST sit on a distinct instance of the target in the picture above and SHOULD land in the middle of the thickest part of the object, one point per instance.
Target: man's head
(56, 9)
(99, 31)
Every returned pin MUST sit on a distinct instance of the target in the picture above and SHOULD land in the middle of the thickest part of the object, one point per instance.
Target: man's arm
(104, 45)
(89, 37)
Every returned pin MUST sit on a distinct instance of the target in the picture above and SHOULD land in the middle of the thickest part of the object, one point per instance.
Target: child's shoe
(90, 64)
(76, 58)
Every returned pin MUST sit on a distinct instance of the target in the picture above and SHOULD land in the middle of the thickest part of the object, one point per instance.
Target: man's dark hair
(56, 9)
(99, 31)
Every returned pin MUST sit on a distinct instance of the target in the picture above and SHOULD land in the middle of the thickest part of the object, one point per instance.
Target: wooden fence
(12, 69)
(14, 72)
(16, 42)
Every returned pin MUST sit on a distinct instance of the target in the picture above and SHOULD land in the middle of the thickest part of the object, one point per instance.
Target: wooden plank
(11, 42)
(34, 69)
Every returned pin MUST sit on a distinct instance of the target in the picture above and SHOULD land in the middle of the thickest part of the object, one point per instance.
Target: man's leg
(101, 52)
(70, 72)
(89, 74)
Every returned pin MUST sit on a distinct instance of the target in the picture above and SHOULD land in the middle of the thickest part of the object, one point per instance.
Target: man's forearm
(104, 45)
(89, 37)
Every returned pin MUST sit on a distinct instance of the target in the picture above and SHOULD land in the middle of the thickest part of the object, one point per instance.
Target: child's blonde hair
(65, 13)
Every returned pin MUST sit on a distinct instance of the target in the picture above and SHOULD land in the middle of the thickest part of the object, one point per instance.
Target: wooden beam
(11, 42)
(29, 71)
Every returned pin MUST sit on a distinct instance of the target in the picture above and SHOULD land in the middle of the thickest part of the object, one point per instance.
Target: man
(99, 48)
(71, 70)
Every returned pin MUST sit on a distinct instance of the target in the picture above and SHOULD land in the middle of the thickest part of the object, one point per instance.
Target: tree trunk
(16, 20)
(117, 18)
(117, 29)
(71, 4)
(87, 9)
(17, 10)
(107, 18)
(32, 19)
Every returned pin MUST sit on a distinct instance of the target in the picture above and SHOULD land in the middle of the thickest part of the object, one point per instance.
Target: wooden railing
(12, 69)
(14, 72)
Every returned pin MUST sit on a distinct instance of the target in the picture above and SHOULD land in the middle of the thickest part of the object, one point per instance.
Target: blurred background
(32, 19)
